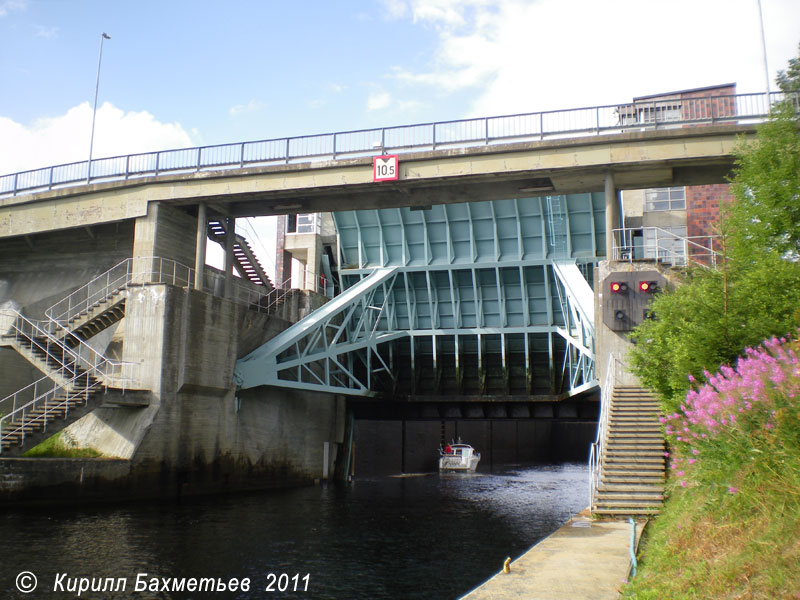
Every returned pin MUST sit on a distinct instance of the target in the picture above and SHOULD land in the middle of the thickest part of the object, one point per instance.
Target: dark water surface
(425, 536)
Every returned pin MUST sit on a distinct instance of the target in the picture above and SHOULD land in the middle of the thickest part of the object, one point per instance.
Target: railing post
(486, 130)
(127, 166)
(334, 146)
(287, 151)
(434, 137)
(241, 156)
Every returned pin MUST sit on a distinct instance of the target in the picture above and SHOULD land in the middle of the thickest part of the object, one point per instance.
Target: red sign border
(375, 177)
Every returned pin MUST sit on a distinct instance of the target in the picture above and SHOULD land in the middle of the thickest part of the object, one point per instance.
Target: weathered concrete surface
(693, 155)
(41, 481)
(577, 562)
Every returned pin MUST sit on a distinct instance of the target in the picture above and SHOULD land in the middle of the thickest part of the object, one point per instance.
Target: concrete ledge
(583, 560)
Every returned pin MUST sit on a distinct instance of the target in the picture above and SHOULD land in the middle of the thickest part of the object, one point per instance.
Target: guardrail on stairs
(137, 270)
(597, 450)
(74, 369)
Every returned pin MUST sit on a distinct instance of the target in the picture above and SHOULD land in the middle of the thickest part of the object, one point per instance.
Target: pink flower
(683, 483)
(732, 490)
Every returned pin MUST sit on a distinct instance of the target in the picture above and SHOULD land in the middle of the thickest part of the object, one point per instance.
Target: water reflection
(411, 537)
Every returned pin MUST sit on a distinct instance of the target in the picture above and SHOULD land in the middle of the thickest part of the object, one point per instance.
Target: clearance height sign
(384, 168)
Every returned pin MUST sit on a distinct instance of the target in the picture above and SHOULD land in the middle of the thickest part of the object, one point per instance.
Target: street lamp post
(103, 37)
(764, 49)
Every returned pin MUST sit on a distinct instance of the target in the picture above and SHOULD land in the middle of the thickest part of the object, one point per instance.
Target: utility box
(627, 296)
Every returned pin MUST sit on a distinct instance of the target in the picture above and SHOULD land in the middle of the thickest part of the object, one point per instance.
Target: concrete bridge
(105, 288)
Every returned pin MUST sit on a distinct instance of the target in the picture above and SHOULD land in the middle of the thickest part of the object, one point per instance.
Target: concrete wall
(196, 437)
(36, 271)
(167, 232)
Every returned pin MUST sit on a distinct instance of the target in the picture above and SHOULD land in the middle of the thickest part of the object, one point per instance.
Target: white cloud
(378, 100)
(525, 55)
(250, 107)
(47, 33)
(394, 9)
(9, 6)
(65, 138)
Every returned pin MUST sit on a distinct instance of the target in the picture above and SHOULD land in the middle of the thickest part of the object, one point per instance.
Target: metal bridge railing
(596, 120)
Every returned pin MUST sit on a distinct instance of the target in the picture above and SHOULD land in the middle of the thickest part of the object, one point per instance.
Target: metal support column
(612, 214)
(200, 250)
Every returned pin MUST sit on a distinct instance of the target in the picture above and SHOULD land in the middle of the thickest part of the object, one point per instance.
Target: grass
(730, 525)
(54, 447)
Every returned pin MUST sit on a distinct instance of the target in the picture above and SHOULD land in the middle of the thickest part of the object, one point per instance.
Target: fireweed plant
(741, 416)
(730, 528)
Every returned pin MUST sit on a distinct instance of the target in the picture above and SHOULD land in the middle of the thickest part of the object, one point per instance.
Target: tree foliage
(755, 292)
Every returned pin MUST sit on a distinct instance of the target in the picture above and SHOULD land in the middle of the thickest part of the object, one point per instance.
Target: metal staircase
(245, 261)
(75, 375)
(627, 460)
(75, 372)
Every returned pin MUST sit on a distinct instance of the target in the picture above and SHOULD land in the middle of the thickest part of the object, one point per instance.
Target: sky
(179, 73)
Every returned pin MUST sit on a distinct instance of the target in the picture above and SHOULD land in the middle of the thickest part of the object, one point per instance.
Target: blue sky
(197, 73)
(182, 73)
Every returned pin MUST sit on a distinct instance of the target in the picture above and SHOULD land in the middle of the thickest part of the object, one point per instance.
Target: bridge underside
(474, 302)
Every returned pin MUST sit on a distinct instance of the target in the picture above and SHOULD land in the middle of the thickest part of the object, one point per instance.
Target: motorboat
(458, 458)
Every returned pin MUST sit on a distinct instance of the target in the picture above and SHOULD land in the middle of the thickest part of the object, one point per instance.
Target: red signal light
(619, 287)
(648, 287)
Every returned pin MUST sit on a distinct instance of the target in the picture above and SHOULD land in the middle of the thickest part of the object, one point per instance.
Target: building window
(303, 223)
(673, 198)
(648, 113)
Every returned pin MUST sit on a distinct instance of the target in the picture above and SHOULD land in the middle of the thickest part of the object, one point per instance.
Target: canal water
(425, 536)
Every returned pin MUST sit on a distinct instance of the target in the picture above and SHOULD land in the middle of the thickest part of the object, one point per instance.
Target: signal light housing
(619, 287)
(648, 287)
(620, 315)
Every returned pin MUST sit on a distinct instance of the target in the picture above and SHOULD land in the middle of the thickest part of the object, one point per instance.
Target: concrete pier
(583, 560)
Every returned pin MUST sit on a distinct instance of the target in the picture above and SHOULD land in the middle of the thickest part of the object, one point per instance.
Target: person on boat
(448, 449)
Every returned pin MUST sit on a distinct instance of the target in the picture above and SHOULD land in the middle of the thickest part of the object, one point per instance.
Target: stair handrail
(597, 449)
(623, 247)
(116, 374)
(8, 418)
(116, 279)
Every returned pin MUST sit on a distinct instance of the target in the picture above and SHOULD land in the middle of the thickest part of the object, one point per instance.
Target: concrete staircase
(632, 469)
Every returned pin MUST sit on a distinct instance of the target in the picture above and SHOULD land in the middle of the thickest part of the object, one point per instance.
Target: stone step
(633, 470)
(633, 461)
(621, 503)
(635, 455)
(637, 488)
(601, 499)
(624, 512)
